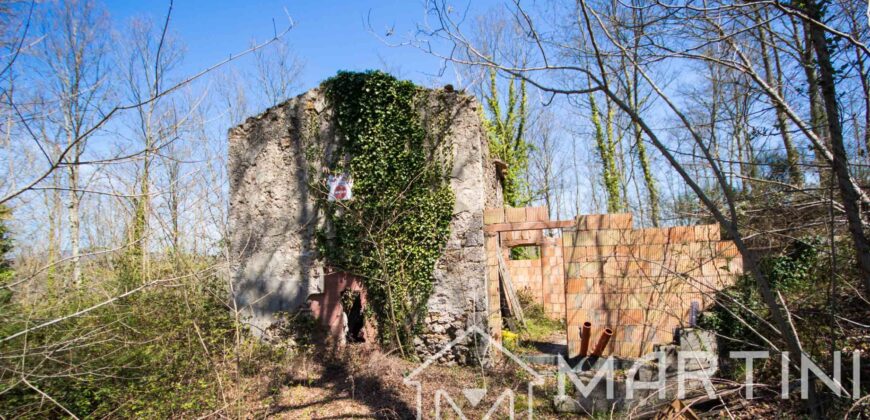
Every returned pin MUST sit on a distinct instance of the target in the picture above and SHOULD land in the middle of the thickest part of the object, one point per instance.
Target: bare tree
(74, 66)
(700, 27)
(278, 72)
(151, 55)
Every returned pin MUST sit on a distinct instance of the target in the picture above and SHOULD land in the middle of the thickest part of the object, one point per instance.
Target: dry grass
(361, 382)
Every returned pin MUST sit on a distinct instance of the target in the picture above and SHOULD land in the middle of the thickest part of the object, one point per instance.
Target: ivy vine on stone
(393, 231)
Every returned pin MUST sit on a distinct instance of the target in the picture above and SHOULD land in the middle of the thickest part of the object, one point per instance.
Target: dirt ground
(366, 383)
(362, 382)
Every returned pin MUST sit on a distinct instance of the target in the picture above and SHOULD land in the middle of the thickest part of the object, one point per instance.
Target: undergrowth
(172, 350)
(827, 314)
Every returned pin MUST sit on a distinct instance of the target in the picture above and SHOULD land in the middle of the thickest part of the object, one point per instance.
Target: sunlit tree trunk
(606, 153)
(840, 162)
(774, 78)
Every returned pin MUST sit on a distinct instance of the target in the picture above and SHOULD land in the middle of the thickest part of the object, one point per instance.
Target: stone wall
(273, 217)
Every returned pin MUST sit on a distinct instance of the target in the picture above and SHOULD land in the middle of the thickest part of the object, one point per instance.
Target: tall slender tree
(73, 62)
(507, 135)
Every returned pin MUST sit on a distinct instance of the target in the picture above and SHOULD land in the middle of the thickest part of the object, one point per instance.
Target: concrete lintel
(508, 227)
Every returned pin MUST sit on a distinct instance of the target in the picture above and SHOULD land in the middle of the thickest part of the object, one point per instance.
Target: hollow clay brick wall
(543, 278)
(639, 282)
(526, 276)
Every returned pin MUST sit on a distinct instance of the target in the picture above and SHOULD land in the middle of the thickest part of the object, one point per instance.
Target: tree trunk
(775, 80)
(55, 205)
(74, 229)
(608, 164)
(840, 162)
(817, 114)
(634, 95)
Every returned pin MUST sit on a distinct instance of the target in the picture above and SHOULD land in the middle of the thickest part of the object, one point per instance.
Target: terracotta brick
(620, 221)
(576, 317)
(710, 267)
(651, 252)
(624, 251)
(693, 249)
(726, 249)
(595, 221)
(628, 349)
(537, 214)
(574, 286)
(704, 249)
(548, 250)
(607, 237)
(527, 235)
(515, 215)
(614, 348)
(606, 251)
(654, 236)
(635, 237)
(681, 234)
(706, 232)
(632, 268)
(735, 265)
(577, 254)
(644, 269)
(492, 216)
(710, 232)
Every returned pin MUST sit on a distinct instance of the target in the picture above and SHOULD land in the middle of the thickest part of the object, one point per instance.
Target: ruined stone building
(641, 283)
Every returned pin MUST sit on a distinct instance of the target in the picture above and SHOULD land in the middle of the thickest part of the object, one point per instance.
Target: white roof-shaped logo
(474, 395)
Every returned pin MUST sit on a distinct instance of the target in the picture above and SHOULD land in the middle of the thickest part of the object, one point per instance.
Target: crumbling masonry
(273, 216)
(639, 282)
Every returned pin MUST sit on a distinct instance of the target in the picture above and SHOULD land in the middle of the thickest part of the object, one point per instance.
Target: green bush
(158, 353)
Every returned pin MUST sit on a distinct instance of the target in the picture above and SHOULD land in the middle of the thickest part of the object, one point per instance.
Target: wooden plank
(514, 306)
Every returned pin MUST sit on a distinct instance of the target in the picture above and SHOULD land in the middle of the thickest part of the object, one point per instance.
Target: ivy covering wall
(393, 231)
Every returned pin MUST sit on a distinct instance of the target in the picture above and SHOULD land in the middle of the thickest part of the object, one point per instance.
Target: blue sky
(328, 35)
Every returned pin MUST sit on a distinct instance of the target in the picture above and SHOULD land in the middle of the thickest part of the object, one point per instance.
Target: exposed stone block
(585, 238)
(707, 232)
(608, 237)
